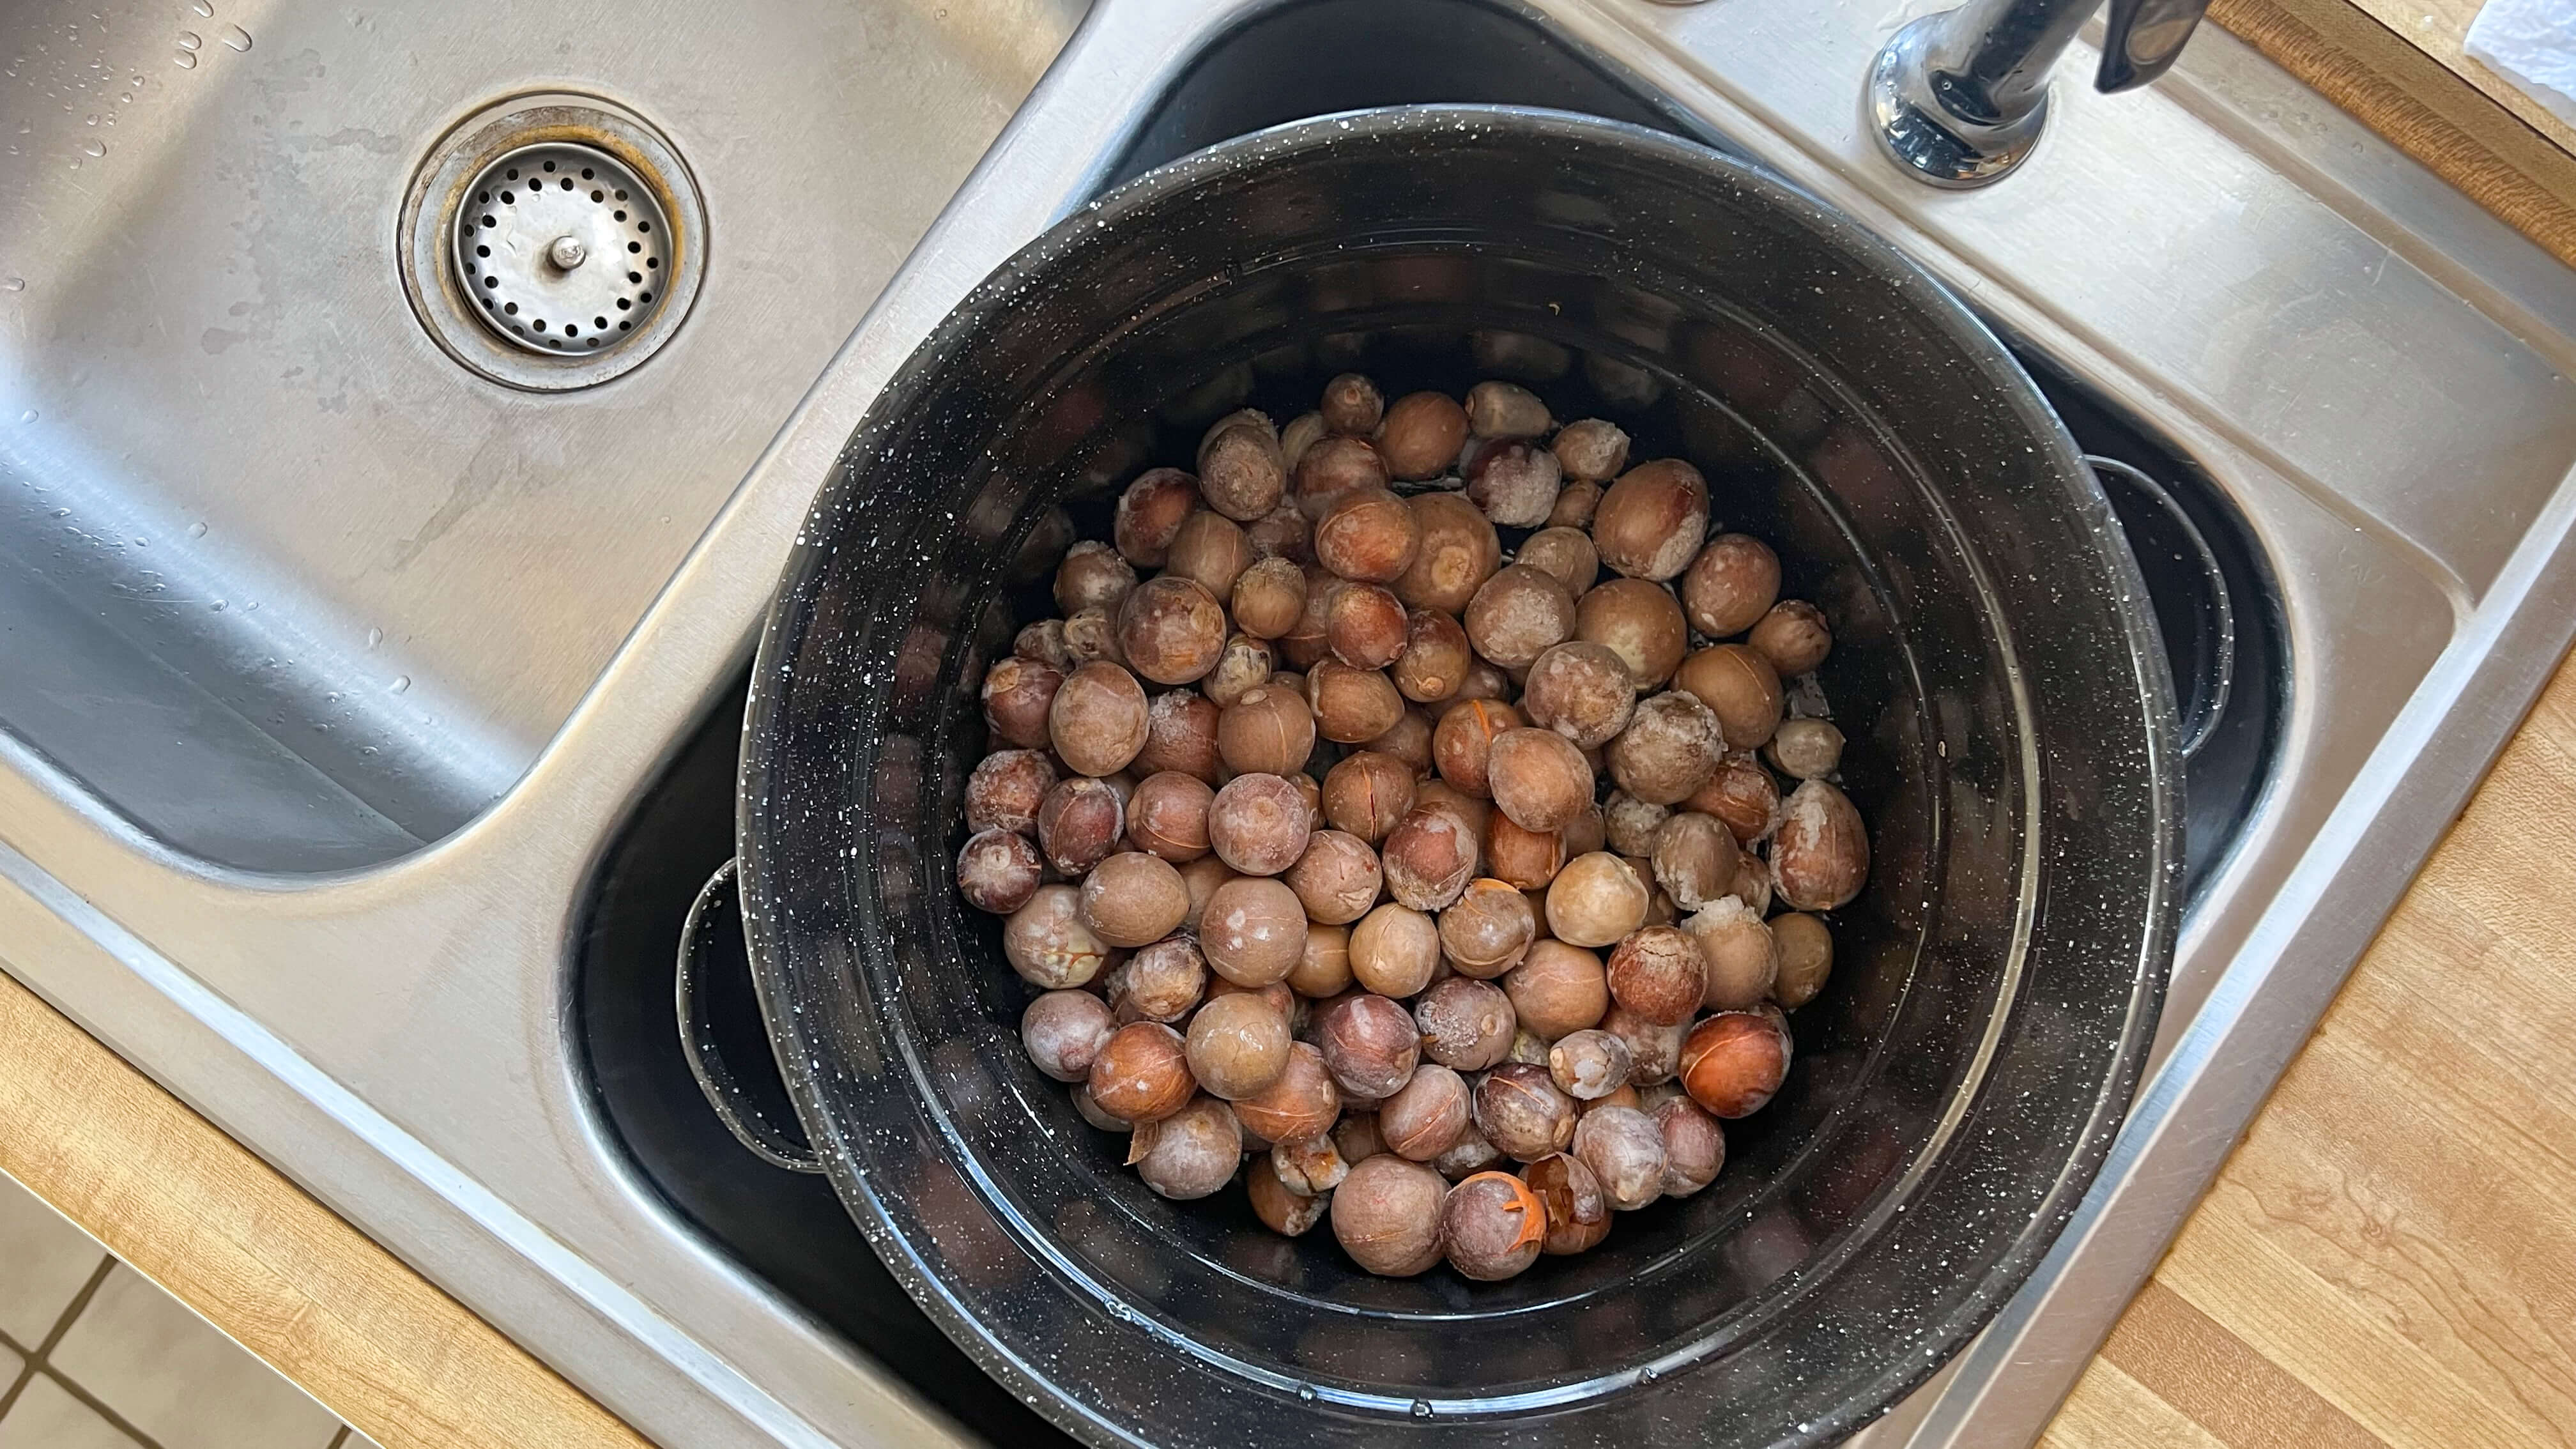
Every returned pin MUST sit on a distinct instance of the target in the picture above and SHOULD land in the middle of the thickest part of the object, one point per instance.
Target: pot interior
(1785, 1156)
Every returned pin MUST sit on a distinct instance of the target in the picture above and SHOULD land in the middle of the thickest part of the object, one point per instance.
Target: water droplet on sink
(197, 530)
(189, 40)
(375, 637)
(401, 683)
(1422, 1408)
(93, 118)
(217, 606)
(202, 8)
(94, 149)
(13, 284)
(184, 60)
(28, 416)
(236, 37)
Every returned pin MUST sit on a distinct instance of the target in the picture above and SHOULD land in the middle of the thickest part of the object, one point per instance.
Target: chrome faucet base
(1925, 136)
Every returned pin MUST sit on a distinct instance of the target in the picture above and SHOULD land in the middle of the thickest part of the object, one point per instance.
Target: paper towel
(2531, 43)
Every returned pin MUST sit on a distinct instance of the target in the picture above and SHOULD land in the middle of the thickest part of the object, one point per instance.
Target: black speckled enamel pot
(2012, 745)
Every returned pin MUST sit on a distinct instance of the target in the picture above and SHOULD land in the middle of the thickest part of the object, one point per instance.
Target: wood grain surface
(2420, 105)
(232, 1238)
(2389, 1258)
(2440, 29)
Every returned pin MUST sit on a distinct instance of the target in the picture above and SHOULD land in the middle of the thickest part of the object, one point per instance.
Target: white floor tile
(48, 1417)
(44, 1260)
(177, 1378)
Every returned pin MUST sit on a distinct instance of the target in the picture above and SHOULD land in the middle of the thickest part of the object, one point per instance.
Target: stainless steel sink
(2365, 369)
(284, 584)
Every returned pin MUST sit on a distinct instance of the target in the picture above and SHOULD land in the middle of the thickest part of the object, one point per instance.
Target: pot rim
(757, 826)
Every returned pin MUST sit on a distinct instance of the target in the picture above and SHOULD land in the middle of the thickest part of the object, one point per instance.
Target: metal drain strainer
(562, 248)
(553, 242)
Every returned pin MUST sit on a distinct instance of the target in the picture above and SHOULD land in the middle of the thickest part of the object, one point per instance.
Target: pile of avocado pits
(1454, 900)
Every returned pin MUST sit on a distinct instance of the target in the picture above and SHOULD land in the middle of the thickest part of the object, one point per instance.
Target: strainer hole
(623, 304)
(511, 307)
(508, 200)
(491, 281)
(550, 166)
(620, 216)
(512, 173)
(567, 183)
(643, 226)
(484, 197)
(592, 342)
(635, 246)
(652, 262)
(482, 251)
(585, 173)
(487, 221)
(539, 324)
(635, 277)
(622, 326)
(599, 324)
(596, 195)
(644, 297)
(621, 196)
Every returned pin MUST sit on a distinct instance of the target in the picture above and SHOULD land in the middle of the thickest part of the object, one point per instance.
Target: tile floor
(94, 1356)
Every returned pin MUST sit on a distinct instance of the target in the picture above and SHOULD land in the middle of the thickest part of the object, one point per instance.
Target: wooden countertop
(226, 1233)
(2388, 1259)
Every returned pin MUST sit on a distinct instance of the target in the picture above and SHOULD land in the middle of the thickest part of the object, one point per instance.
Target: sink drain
(552, 242)
(562, 246)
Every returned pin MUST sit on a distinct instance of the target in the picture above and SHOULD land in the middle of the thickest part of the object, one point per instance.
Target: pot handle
(2209, 704)
(717, 909)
